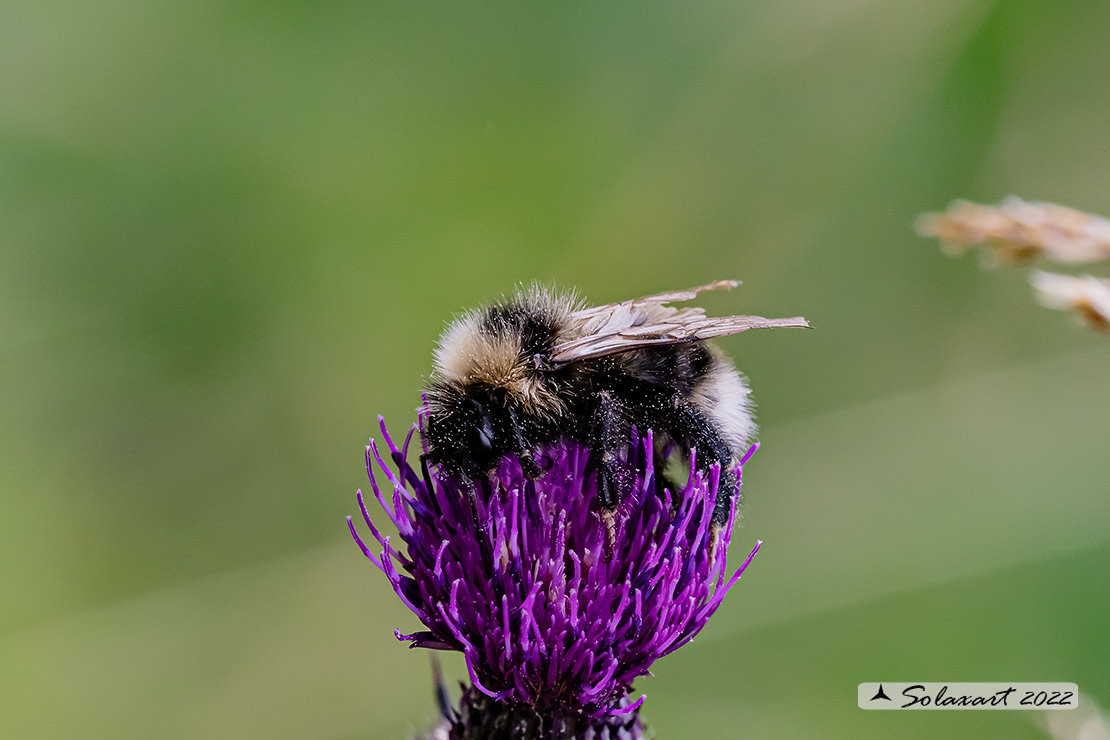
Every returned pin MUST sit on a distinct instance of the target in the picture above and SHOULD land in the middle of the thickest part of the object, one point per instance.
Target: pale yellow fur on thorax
(468, 356)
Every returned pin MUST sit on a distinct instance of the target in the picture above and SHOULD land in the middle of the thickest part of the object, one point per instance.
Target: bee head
(466, 427)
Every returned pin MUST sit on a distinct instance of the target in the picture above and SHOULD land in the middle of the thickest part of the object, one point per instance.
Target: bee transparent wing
(648, 321)
(612, 312)
(696, 329)
(678, 296)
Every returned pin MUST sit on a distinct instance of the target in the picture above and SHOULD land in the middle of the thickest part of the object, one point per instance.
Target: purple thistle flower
(517, 579)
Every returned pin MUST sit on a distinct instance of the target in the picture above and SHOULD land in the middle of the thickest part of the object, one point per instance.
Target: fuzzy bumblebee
(521, 374)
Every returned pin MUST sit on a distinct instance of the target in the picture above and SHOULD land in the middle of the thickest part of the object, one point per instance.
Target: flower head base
(516, 575)
(482, 718)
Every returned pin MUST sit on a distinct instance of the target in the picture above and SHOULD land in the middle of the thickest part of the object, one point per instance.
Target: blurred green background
(232, 231)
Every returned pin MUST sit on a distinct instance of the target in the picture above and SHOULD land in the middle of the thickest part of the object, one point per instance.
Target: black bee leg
(528, 465)
(610, 433)
(702, 434)
(524, 449)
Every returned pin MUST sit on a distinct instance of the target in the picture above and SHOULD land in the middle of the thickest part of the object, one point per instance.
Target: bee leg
(610, 431)
(607, 496)
(703, 435)
(524, 448)
(609, 519)
(528, 465)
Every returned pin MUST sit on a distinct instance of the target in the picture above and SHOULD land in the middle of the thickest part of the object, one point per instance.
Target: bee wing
(611, 312)
(648, 321)
(677, 296)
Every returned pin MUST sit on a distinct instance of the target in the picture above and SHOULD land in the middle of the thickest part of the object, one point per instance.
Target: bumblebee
(540, 366)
